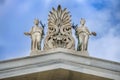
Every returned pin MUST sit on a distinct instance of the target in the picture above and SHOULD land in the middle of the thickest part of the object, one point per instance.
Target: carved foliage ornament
(59, 30)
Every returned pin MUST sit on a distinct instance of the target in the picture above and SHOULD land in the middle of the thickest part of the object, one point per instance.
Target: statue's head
(36, 21)
(82, 21)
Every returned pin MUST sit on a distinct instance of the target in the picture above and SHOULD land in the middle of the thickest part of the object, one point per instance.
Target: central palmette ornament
(59, 30)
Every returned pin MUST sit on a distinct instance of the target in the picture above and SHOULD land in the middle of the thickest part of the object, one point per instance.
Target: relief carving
(59, 30)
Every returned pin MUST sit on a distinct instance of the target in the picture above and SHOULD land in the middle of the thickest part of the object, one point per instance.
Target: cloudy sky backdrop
(102, 16)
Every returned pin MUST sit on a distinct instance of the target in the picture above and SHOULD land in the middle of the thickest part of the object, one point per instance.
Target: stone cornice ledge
(59, 58)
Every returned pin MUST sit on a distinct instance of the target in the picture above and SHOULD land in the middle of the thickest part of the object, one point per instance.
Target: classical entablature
(59, 65)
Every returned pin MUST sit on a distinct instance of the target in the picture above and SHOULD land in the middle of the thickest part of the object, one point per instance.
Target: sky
(102, 17)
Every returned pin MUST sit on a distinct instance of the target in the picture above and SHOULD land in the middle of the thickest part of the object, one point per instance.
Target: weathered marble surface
(82, 34)
(74, 63)
(59, 34)
(35, 34)
(39, 52)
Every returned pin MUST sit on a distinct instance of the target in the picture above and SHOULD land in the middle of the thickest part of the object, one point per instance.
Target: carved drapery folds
(59, 30)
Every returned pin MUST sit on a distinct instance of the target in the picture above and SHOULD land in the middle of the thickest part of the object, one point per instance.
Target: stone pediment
(59, 65)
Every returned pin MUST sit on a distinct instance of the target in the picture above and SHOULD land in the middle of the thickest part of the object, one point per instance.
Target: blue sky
(102, 16)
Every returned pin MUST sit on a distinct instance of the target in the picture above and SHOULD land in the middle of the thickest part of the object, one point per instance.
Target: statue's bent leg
(35, 45)
(39, 42)
(79, 45)
(81, 41)
(86, 42)
(32, 48)
(33, 42)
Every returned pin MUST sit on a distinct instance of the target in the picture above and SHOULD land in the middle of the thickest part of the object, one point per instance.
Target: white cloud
(106, 47)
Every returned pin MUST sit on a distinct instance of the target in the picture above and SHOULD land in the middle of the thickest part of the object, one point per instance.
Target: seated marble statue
(36, 35)
(83, 33)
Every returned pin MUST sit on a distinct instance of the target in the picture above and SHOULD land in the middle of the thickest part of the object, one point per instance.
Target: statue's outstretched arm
(27, 33)
(88, 31)
(91, 33)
